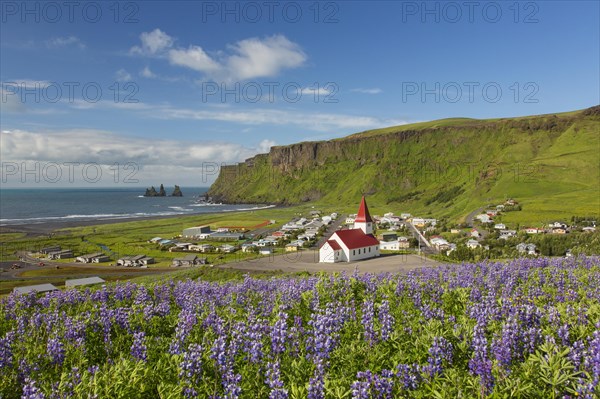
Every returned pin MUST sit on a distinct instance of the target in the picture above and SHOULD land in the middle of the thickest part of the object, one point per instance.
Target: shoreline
(47, 227)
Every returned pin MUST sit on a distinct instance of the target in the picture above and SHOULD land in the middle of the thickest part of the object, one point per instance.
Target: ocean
(29, 206)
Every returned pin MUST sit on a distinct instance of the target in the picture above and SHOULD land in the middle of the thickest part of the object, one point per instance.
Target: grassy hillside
(450, 167)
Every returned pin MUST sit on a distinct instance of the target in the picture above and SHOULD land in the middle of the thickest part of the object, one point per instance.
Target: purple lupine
(231, 384)
(386, 320)
(368, 314)
(316, 384)
(187, 321)
(409, 375)
(274, 381)
(31, 391)
(6, 353)
(191, 364)
(279, 333)
(440, 351)
(480, 364)
(139, 350)
(56, 350)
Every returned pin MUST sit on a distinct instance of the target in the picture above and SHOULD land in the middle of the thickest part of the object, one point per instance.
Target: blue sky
(172, 86)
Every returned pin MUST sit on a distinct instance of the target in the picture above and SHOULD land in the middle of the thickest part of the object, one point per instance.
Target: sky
(150, 92)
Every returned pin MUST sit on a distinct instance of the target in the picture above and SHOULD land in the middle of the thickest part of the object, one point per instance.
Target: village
(348, 238)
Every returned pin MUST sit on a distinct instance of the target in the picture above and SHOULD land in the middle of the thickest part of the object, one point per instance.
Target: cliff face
(477, 158)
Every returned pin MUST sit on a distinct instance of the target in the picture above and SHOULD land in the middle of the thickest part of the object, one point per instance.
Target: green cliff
(448, 167)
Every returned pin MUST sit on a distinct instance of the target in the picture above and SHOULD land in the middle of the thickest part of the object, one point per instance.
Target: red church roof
(356, 238)
(363, 215)
(333, 244)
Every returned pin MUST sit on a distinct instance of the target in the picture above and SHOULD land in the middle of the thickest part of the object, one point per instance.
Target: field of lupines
(528, 328)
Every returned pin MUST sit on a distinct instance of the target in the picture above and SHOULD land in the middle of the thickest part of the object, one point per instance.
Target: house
(154, 240)
(588, 229)
(95, 258)
(529, 249)
(195, 232)
(180, 246)
(265, 251)
(35, 288)
(472, 244)
(293, 246)
(223, 230)
(491, 212)
(559, 230)
(405, 216)
(228, 249)
(455, 231)
(475, 233)
(188, 260)
(352, 244)
(418, 222)
(47, 250)
(388, 236)
(484, 218)
(204, 248)
(64, 254)
(500, 226)
(403, 242)
(558, 225)
(349, 220)
(534, 230)
(326, 219)
(439, 242)
(227, 236)
(451, 247)
(506, 234)
(136, 260)
(249, 247)
(83, 281)
(389, 245)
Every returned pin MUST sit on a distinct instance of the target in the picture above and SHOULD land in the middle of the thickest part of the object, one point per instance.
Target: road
(308, 260)
(425, 246)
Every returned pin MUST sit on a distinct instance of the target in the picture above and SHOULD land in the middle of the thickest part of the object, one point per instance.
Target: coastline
(49, 226)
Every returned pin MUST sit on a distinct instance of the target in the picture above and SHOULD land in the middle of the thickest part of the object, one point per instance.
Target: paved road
(425, 246)
(308, 260)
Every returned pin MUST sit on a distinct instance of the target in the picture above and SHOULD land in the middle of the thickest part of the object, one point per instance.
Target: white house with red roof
(352, 244)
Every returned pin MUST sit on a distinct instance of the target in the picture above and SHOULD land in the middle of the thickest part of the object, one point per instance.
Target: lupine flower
(56, 350)
(191, 365)
(139, 349)
(31, 391)
(386, 320)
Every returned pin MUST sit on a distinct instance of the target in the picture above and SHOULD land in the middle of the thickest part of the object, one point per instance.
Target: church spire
(363, 212)
(363, 219)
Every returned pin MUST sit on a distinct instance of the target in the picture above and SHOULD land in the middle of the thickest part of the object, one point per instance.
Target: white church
(353, 244)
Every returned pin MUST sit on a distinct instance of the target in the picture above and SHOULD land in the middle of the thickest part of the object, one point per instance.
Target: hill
(449, 167)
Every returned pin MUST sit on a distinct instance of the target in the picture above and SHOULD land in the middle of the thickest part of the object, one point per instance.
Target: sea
(42, 205)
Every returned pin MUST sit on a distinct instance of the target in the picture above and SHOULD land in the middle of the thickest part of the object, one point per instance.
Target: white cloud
(64, 42)
(322, 122)
(147, 73)
(255, 58)
(321, 91)
(194, 58)
(123, 76)
(374, 90)
(156, 157)
(246, 59)
(153, 43)
(265, 145)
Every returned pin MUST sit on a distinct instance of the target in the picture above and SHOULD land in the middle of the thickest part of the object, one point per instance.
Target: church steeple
(363, 219)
